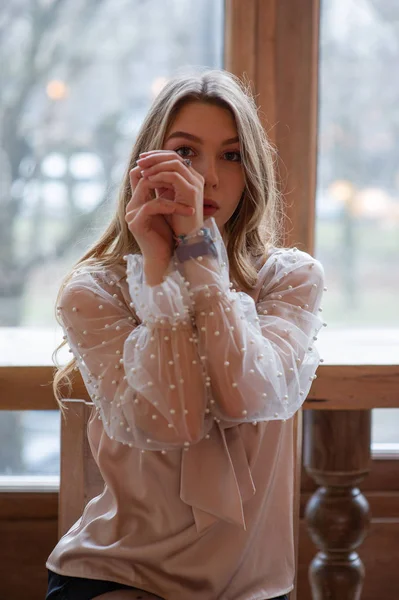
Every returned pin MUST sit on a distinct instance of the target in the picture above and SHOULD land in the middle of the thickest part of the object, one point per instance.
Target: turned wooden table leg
(337, 456)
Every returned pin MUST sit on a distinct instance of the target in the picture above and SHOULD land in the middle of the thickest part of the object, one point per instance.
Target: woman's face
(207, 134)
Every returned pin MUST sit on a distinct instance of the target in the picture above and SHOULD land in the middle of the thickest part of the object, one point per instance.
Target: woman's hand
(145, 218)
(178, 182)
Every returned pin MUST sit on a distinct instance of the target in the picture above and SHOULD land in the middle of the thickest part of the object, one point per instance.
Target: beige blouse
(194, 386)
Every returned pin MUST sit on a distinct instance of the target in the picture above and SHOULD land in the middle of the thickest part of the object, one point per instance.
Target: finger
(142, 154)
(157, 205)
(170, 165)
(179, 183)
(154, 207)
(156, 157)
(141, 193)
(135, 176)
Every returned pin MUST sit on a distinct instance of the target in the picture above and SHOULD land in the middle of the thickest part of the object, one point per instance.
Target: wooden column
(274, 44)
(337, 457)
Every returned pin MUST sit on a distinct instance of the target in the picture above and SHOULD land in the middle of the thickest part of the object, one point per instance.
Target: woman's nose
(209, 172)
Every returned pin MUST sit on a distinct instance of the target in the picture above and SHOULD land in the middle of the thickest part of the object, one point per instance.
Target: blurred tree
(38, 28)
(77, 77)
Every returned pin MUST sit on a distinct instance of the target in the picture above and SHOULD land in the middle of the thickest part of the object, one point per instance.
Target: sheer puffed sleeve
(145, 379)
(261, 358)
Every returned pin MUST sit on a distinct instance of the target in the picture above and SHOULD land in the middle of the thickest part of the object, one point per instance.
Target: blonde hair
(256, 224)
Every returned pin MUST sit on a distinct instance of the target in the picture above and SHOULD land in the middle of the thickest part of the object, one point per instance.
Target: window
(77, 80)
(357, 225)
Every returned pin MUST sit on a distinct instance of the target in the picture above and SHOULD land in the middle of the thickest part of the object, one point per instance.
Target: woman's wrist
(154, 271)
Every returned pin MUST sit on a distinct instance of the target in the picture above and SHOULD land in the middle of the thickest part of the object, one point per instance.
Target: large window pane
(77, 79)
(357, 228)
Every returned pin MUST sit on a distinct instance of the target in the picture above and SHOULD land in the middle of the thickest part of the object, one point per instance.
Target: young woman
(194, 334)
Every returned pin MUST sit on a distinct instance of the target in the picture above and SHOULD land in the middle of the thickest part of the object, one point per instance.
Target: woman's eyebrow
(194, 138)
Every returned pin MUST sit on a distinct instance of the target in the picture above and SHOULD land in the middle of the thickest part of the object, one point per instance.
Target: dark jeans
(62, 587)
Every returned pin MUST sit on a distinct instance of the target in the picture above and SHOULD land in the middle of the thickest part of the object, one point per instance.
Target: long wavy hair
(256, 224)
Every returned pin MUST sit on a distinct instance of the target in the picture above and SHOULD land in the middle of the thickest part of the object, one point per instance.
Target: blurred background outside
(77, 79)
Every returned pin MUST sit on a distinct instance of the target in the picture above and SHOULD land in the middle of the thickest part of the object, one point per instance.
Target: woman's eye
(237, 154)
(182, 148)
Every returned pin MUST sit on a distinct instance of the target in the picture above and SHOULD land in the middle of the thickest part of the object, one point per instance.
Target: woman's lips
(209, 202)
(210, 210)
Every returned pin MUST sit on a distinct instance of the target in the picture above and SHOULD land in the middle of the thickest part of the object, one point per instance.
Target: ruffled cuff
(167, 302)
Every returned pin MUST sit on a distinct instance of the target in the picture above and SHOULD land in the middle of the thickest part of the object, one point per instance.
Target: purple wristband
(186, 251)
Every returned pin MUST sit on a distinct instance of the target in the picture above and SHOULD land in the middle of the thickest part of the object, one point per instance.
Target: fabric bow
(216, 478)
